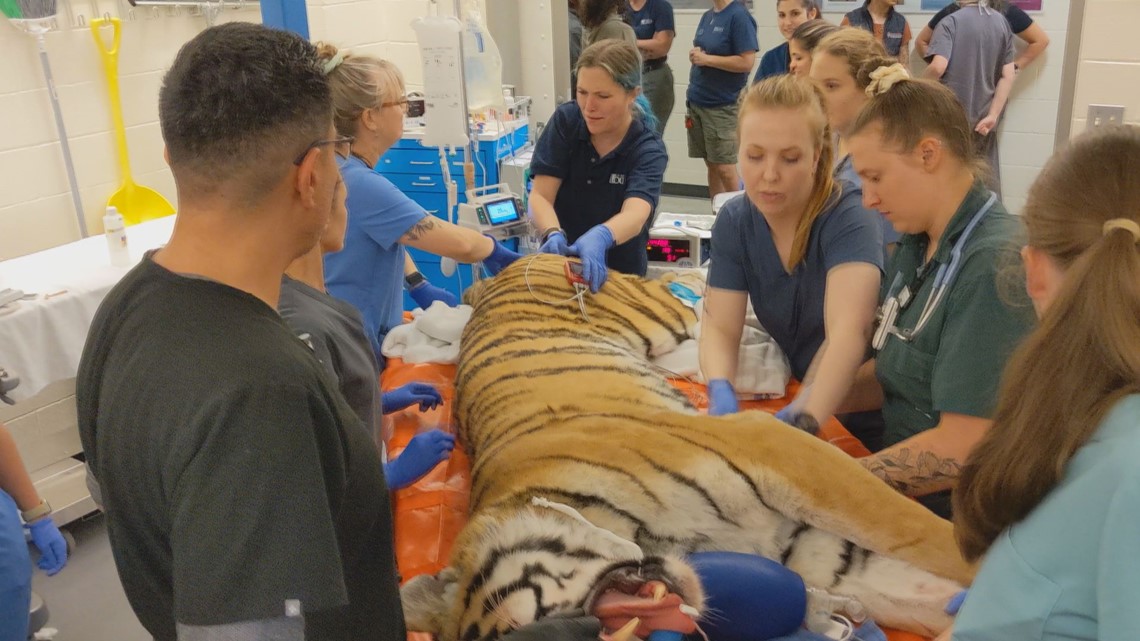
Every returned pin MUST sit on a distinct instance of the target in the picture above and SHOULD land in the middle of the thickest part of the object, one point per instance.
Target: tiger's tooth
(659, 591)
(625, 633)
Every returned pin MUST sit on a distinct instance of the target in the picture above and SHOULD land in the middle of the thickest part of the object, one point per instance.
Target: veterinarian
(335, 331)
(1050, 495)
(950, 310)
(244, 498)
(373, 268)
(801, 246)
(598, 167)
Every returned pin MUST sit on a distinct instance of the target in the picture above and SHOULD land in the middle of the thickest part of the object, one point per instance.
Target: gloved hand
(424, 452)
(425, 294)
(558, 628)
(956, 602)
(555, 244)
(52, 547)
(499, 258)
(754, 597)
(426, 395)
(722, 397)
(591, 247)
(788, 414)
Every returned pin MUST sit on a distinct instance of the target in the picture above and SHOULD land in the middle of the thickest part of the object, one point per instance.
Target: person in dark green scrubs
(950, 317)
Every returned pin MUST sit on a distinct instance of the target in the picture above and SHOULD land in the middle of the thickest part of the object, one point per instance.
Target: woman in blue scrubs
(598, 168)
(1051, 496)
(800, 246)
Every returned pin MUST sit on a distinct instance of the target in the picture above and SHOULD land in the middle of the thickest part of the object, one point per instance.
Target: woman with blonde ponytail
(1051, 496)
(801, 246)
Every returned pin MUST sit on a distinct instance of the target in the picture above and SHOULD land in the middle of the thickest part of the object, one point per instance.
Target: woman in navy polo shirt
(598, 167)
(652, 21)
(801, 246)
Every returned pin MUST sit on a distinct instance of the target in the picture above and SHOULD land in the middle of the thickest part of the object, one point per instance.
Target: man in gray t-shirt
(971, 52)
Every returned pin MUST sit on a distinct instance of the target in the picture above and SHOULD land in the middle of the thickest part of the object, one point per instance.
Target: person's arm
(851, 293)
(904, 46)
(722, 325)
(442, 238)
(542, 195)
(929, 461)
(14, 478)
(658, 46)
(1036, 41)
(941, 45)
(1118, 565)
(629, 222)
(936, 68)
(1001, 95)
(741, 63)
(866, 392)
(922, 42)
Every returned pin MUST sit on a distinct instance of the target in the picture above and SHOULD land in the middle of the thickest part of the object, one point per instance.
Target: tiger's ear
(427, 600)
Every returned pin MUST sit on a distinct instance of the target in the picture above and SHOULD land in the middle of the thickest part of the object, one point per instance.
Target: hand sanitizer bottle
(116, 232)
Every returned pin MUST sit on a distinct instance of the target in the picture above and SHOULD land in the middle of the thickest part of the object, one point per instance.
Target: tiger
(592, 474)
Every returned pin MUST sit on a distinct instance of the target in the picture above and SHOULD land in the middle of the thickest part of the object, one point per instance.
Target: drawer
(432, 202)
(410, 161)
(417, 182)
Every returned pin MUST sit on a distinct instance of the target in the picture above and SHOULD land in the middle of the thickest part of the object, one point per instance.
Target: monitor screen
(668, 250)
(503, 211)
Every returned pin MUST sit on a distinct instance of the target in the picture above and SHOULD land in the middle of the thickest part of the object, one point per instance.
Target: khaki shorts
(712, 133)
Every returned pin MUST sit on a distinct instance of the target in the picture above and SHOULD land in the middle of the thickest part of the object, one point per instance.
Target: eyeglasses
(401, 103)
(339, 140)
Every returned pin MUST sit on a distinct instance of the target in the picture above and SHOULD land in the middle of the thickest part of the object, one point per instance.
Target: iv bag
(481, 63)
(445, 122)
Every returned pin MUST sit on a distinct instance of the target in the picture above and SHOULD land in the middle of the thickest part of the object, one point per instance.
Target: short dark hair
(239, 103)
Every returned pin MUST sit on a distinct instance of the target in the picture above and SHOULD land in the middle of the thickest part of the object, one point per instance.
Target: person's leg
(15, 573)
(658, 87)
(988, 149)
(715, 186)
(727, 178)
(720, 140)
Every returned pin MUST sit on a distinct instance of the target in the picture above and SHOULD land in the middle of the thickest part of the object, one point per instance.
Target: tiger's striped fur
(552, 405)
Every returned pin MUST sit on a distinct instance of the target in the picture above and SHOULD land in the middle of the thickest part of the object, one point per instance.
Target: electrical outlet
(1101, 115)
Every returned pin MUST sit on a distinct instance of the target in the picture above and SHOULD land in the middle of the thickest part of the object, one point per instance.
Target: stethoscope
(898, 299)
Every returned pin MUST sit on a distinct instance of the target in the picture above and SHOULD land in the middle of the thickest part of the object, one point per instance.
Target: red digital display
(668, 250)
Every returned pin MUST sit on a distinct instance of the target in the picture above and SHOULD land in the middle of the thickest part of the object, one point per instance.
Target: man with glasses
(244, 498)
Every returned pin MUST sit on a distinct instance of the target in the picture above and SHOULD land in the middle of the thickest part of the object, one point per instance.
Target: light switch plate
(1101, 115)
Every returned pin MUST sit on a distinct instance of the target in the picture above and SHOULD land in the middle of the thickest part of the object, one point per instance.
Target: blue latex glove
(722, 398)
(788, 414)
(499, 259)
(424, 452)
(555, 244)
(426, 395)
(956, 603)
(425, 294)
(755, 598)
(52, 547)
(591, 247)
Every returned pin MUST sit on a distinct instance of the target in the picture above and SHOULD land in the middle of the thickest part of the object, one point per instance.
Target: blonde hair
(1084, 355)
(811, 33)
(908, 110)
(856, 46)
(789, 92)
(358, 83)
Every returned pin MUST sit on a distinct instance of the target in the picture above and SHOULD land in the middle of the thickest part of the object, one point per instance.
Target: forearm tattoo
(914, 473)
(419, 229)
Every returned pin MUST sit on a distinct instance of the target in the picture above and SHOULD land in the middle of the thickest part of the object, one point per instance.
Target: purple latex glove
(50, 543)
(406, 395)
(555, 244)
(425, 294)
(956, 603)
(722, 398)
(591, 247)
(499, 258)
(424, 452)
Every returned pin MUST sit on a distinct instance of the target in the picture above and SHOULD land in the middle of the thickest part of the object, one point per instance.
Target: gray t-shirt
(977, 42)
(614, 28)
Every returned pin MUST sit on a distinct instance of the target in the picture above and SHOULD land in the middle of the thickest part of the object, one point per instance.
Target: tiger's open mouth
(641, 590)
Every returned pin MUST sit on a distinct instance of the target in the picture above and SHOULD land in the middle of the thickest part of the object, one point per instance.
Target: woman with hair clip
(598, 168)
(800, 246)
(789, 15)
(369, 107)
(945, 330)
(804, 41)
(1050, 495)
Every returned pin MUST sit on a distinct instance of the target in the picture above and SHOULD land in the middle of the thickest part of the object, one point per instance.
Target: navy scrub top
(728, 32)
(655, 16)
(594, 188)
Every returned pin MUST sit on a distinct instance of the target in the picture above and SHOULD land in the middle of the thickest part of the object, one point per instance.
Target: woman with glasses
(369, 107)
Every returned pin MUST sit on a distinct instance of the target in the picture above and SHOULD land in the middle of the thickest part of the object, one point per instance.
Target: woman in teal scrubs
(946, 329)
(1051, 496)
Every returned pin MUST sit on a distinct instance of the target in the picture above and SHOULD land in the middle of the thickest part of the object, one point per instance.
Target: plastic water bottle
(115, 231)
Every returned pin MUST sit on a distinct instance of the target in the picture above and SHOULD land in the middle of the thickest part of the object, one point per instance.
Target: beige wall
(1108, 72)
(1027, 133)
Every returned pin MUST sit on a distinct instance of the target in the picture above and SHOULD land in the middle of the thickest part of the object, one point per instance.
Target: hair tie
(333, 63)
(885, 77)
(1122, 223)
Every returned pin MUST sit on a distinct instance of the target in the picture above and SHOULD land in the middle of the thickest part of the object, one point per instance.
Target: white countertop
(41, 338)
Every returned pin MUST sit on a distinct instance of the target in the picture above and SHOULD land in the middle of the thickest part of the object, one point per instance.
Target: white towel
(431, 337)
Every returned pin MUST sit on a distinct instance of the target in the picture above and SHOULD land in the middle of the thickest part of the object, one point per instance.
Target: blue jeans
(15, 573)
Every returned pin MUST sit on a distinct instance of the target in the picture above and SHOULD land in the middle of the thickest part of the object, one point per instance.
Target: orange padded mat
(430, 513)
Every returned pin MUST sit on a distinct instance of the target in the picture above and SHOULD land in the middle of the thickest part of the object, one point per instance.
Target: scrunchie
(883, 78)
(1122, 223)
(333, 63)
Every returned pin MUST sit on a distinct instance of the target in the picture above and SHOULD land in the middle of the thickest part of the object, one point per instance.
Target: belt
(653, 65)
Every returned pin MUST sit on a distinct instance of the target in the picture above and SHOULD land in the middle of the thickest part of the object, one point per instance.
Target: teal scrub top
(1071, 569)
(955, 363)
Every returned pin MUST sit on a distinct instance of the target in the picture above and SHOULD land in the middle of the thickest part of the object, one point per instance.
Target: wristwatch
(36, 513)
(550, 230)
(807, 423)
(413, 279)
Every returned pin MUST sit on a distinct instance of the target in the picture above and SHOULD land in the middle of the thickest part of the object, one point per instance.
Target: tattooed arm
(439, 237)
(929, 461)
